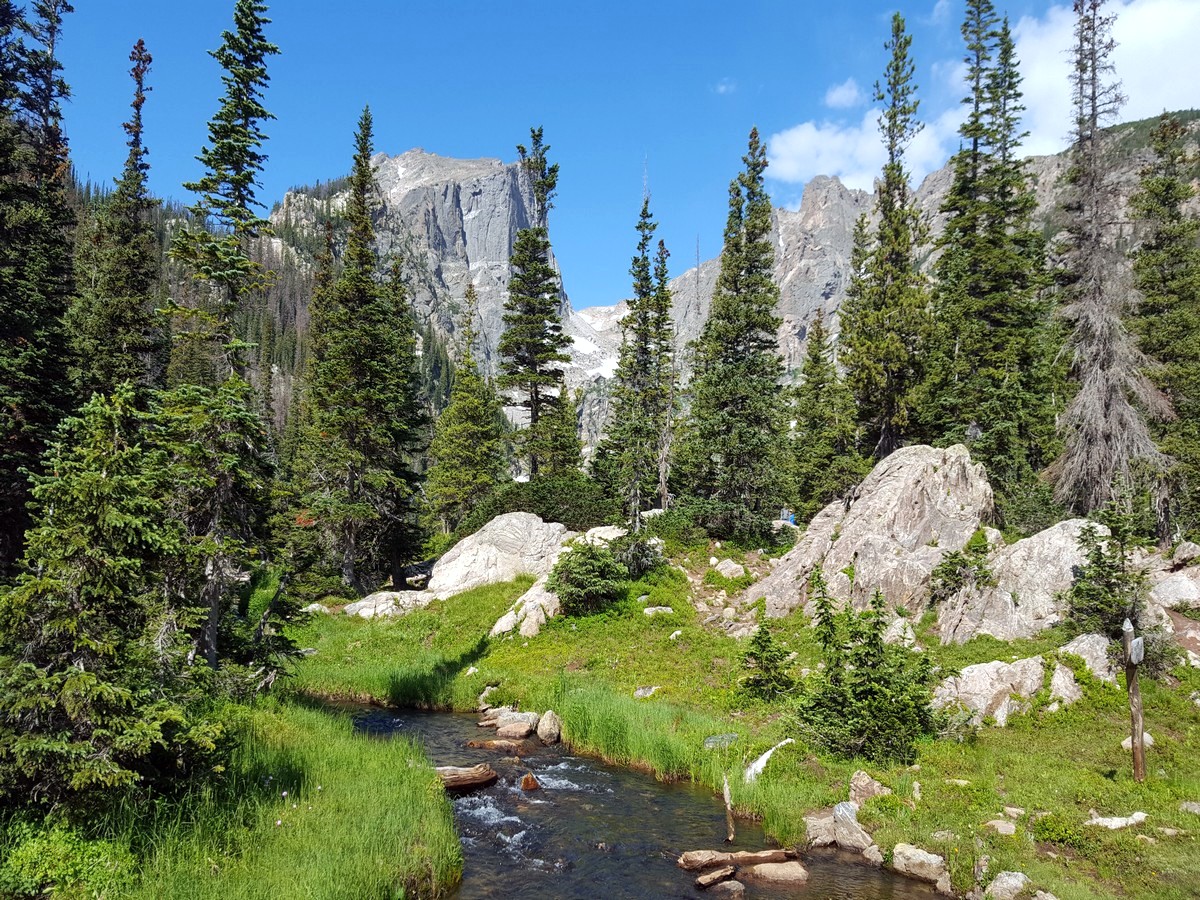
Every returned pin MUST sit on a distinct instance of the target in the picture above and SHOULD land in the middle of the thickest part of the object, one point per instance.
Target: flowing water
(595, 830)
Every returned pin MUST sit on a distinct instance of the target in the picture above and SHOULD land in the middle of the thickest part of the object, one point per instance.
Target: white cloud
(1155, 59)
(725, 86)
(845, 95)
(941, 13)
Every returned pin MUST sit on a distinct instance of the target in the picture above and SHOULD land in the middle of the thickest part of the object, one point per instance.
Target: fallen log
(466, 778)
(694, 860)
(708, 879)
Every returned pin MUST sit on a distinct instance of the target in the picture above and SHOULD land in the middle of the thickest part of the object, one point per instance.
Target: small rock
(1190, 806)
(645, 598)
(1112, 823)
(499, 746)
(1007, 886)
(643, 692)
(1145, 838)
(819, 831)
(719, 741)
(943, 886)
(958, 782)
(1063, 687)
(1000, 826)
(1127, 744)
(1044, 895)
(549, 729)
(675, 634)
(712, 561)
(982, 864)
(529, 783)
(729, 569)
(471, 671)
(847, 833)
(917, 863)
(1169, 832)
(308, 651)
(316, 609)
(514, 731)
(1093, 650)
(790, 872)
(483, 705)
(916, 791)
(656, 610)
(729, 614)
(944, 836)
(1014, 812)
(863, 787)
(873, 855)
(708, 879)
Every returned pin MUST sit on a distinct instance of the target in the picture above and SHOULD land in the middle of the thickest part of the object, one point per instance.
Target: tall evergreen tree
(365, 418)
(1166, 271)
(467, 450)
(825, 458)
(643, 396)
(227, 199)
(990, 365)
(1105, 430)
(115, 331)
(734, 441)
(885, 320)
(35, 254)
(533, 346)
(94, 690)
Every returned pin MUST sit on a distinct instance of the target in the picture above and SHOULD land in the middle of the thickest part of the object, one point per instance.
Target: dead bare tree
(1104, 428)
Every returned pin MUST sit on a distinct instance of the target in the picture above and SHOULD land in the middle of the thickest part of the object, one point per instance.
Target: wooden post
(1134, 651)
(728, 813)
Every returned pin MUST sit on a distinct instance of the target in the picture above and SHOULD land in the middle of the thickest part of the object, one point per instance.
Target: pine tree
(1166, 271)
(825, 459)
(885, 322)
(1105, 431)
(365, 420)
(35, 255)
(233, 160)
(643, 396)
(558, 446)
(115, 332)
(94, 690)
(990, 370)
(467, 451)
(533, 345)
(734, 441)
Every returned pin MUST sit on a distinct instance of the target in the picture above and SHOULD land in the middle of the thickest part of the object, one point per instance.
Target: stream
(599, 830)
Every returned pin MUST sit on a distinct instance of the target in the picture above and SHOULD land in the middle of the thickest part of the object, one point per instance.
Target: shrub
(961, 568)
(766, 666)
(639, 555)
(573, 499)
(1108, 587)
(587, 579)
(872, 699)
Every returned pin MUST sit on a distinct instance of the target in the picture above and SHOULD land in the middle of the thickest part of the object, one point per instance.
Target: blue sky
(670, 89)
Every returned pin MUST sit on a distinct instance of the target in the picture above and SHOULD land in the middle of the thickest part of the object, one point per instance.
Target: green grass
(309, 809)
(1063, 763)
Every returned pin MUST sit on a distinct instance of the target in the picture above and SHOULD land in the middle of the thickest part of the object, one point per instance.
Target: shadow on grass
(427, 684)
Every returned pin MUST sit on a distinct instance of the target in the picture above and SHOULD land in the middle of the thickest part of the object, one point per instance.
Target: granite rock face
(1030, 578)
(513, 544)
(916, 506)
(996, 689)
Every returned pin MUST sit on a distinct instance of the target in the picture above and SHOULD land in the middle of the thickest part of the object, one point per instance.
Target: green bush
(637, 554)
(573, 499)
(872, 699)
(39, 861)
(961, 568)
(766, 665)
(1054, 829)
(1108, 587)
(678, 531)
(587, 579)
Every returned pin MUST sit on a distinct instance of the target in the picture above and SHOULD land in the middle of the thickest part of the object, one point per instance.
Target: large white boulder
(1030, 579)
(997, 689)
(917, 863)
(917, 505)
(513, 544)
(382, 604)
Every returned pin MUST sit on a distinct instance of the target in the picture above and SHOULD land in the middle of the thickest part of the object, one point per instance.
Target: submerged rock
(790, 872)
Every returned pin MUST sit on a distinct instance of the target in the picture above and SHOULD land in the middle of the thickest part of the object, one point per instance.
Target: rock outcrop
(996, 689)
(388, 603)
(1093, 650)
(1029, 578)
(916, 505)
(513, 544)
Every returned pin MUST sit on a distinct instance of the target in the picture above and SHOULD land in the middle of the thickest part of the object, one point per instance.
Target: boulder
(996, 689)
(727, 889)
(847, 833)
(658, 611)
(790, 872)
(863, 787)
(1178, 589)
(513, 544)
(729, 569)
(529, 611)
(708, 879)
(1007, 886)
(916, 505)
(1147, 740)
(514, 731)
(604, 534)
(1063, 687)
(643, 692)
(1186, 554)
(549, 728)
(505, 717)
(1093, 650)
(388, 603)
(1030, 578)
(1190, 806)
(1001, 826)
(316, 609)
(917, 863)
(873, 855)
(819, 830)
